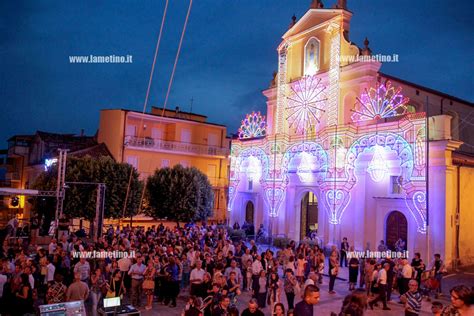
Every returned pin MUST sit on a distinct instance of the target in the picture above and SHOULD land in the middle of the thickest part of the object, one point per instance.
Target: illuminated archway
(415, 196)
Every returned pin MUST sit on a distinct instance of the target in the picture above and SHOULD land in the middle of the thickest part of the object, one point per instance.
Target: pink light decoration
(254, 125)
(306, 103)
(380, 102)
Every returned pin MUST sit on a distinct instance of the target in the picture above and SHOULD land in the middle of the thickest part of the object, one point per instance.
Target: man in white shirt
(256, 269)
(407, 273)
(64, 243)
(191, 257)
(136, 272)
(50, 269)
(228, 247)
(52, 246)
(124, 264)
(382, 285)
(196, 277)
(83, 267)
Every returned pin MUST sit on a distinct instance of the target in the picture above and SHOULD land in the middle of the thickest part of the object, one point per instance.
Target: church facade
(343, 150)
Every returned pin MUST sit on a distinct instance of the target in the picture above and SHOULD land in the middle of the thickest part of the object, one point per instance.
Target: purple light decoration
(380, 102)
(274, 197)
(253, 126)
(306, 103)
(419, 204)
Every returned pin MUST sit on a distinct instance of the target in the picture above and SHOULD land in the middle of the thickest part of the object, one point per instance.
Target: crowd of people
(202, 263)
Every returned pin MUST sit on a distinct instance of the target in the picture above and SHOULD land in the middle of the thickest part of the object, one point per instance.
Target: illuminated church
(342, 150)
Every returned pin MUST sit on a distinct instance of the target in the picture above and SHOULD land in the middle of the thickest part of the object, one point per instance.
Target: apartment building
(164, 138)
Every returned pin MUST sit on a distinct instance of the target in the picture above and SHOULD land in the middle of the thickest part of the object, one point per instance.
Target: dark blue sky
(228, 55)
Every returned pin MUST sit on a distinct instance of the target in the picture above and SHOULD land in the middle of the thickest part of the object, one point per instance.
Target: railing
(159, 144)
(218, 182)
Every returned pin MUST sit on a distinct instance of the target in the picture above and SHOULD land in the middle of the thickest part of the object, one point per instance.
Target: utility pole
(99, 210)
(427, 177)
(61, 163)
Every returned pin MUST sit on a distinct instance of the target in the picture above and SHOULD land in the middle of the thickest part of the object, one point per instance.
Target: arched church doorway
(249, 213)
(396, 228)
(309, 215)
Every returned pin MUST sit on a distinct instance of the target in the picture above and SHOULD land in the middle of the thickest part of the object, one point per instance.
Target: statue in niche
(312, 57)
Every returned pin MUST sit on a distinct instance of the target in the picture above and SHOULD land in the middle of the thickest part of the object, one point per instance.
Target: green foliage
(80, 199)
(179, 194)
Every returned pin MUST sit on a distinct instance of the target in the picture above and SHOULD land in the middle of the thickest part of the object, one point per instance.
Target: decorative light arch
(313, 149)
(414, 191)
(256, 152)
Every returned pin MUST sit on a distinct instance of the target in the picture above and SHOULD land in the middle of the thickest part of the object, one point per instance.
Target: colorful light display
(254, 125)
(379, 102)
(306, 103)
(326, 160)
(377, 167)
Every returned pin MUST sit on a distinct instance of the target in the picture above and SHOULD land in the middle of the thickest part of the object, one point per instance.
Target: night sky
(228, 55)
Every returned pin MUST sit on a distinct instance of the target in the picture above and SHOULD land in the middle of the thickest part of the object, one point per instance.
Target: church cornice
(293, 32)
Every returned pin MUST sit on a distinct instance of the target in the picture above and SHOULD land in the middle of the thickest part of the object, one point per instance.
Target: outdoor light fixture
(49, 162)
(377, 167)
(253, 168)
(15, 201)
(305, 168)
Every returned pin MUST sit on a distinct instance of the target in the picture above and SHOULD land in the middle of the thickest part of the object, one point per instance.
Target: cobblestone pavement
(328, 302)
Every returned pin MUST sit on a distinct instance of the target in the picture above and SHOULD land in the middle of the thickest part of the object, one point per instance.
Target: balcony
(218, 182)
(173, 146)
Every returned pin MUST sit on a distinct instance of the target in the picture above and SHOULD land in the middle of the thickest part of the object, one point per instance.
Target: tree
(179, 194)
(80, 200)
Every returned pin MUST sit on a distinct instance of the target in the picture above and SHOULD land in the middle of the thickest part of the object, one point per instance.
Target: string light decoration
(334, 73)
(380, 102)
(306, 103)
(305, 168)
(378, 167)
(254, 125)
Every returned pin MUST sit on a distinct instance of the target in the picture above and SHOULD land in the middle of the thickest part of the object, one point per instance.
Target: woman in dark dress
(116, 284)
(419, 266)
(353, 271)
(24, 297)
